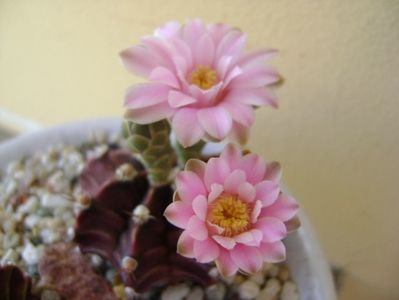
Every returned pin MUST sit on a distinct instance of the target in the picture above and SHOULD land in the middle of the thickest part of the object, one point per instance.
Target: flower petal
(179, 213)
(240, 113)
(247, 258)
(189, 186)
(197, 228)
(232, 155)
(206, 251)
(252, 237)
(192, 32)
(216, 121)
(231, 44)
(273, 252)
(267, 192)
(224, 241)
(216, 172)
(197, 166)
(185, 245)
(165, 76)
(159, 50)
(204, 51)
(233, 181)
(246, 192)
(150, 114)
(256, 58)
(284, 208)
(168, 30)
(273, 171)
(178, 99)
(273, 229)
(225, 264)
(239, 133)
(138, 60)
(254, 166)
(216, 190)
(146, 94)
(252, 96)
(200, 207)
(256, 211)
(188, 130)
(256, 77)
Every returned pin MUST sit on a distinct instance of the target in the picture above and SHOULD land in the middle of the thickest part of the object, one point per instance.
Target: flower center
(230, 213)
(203, 77)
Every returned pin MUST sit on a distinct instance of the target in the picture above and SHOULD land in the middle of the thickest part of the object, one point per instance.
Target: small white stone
(54, 201)
(49, 236)
(175, 292)
(11, 240)
(130, 293)
(196, 293)
(248, 290)
(49, 295)
(214, 273)
(289, 291)
(95, 260)
(31, 221)
(141, 214)
(216, 292)
(31, 254)
(29, 206)
(274, 270)
(10, 257)
(129, 264)
(125, 172)
(259, 278)
(270, 291)
(58, 183)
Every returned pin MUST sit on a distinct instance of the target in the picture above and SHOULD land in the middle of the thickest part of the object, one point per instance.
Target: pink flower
(200, 80)
(232, 212)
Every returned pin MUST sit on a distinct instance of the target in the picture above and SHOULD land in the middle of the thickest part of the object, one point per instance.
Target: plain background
(336, 132)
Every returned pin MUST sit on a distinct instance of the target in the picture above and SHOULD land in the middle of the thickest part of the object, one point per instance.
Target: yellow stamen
(230, 213)
(204, 77)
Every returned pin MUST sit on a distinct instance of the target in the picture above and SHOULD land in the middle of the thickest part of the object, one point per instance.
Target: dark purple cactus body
(107, 228)
(14, 284)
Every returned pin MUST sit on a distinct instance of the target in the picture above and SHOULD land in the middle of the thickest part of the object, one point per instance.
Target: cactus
(151, 144)
(14, 284)
(125, 224)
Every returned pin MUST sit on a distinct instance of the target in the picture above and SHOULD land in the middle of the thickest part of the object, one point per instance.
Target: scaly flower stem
(184, 154)
(151, 144)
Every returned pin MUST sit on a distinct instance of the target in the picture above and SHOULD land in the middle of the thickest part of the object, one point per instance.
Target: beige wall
(336, 132)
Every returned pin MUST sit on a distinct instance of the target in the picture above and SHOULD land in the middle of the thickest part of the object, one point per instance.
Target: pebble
(49, 236)
(10, 257)
(216, 291)
(31, 204)
(49, 295)
(284, 274)
(289, 291)
(31, 254)
(248, 290)
(195, 294)
(175, 292)
(258, 278)
(54, 201)
(141, 214)
(270, 291)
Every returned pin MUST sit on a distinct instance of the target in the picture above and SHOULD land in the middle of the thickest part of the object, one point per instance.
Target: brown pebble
(284, 274)
(66, 269)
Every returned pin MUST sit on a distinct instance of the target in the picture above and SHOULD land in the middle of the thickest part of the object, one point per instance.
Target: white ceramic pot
(307, 263)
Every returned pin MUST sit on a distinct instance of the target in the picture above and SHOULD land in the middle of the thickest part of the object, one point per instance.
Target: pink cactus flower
(200, 80)
(232, 212)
